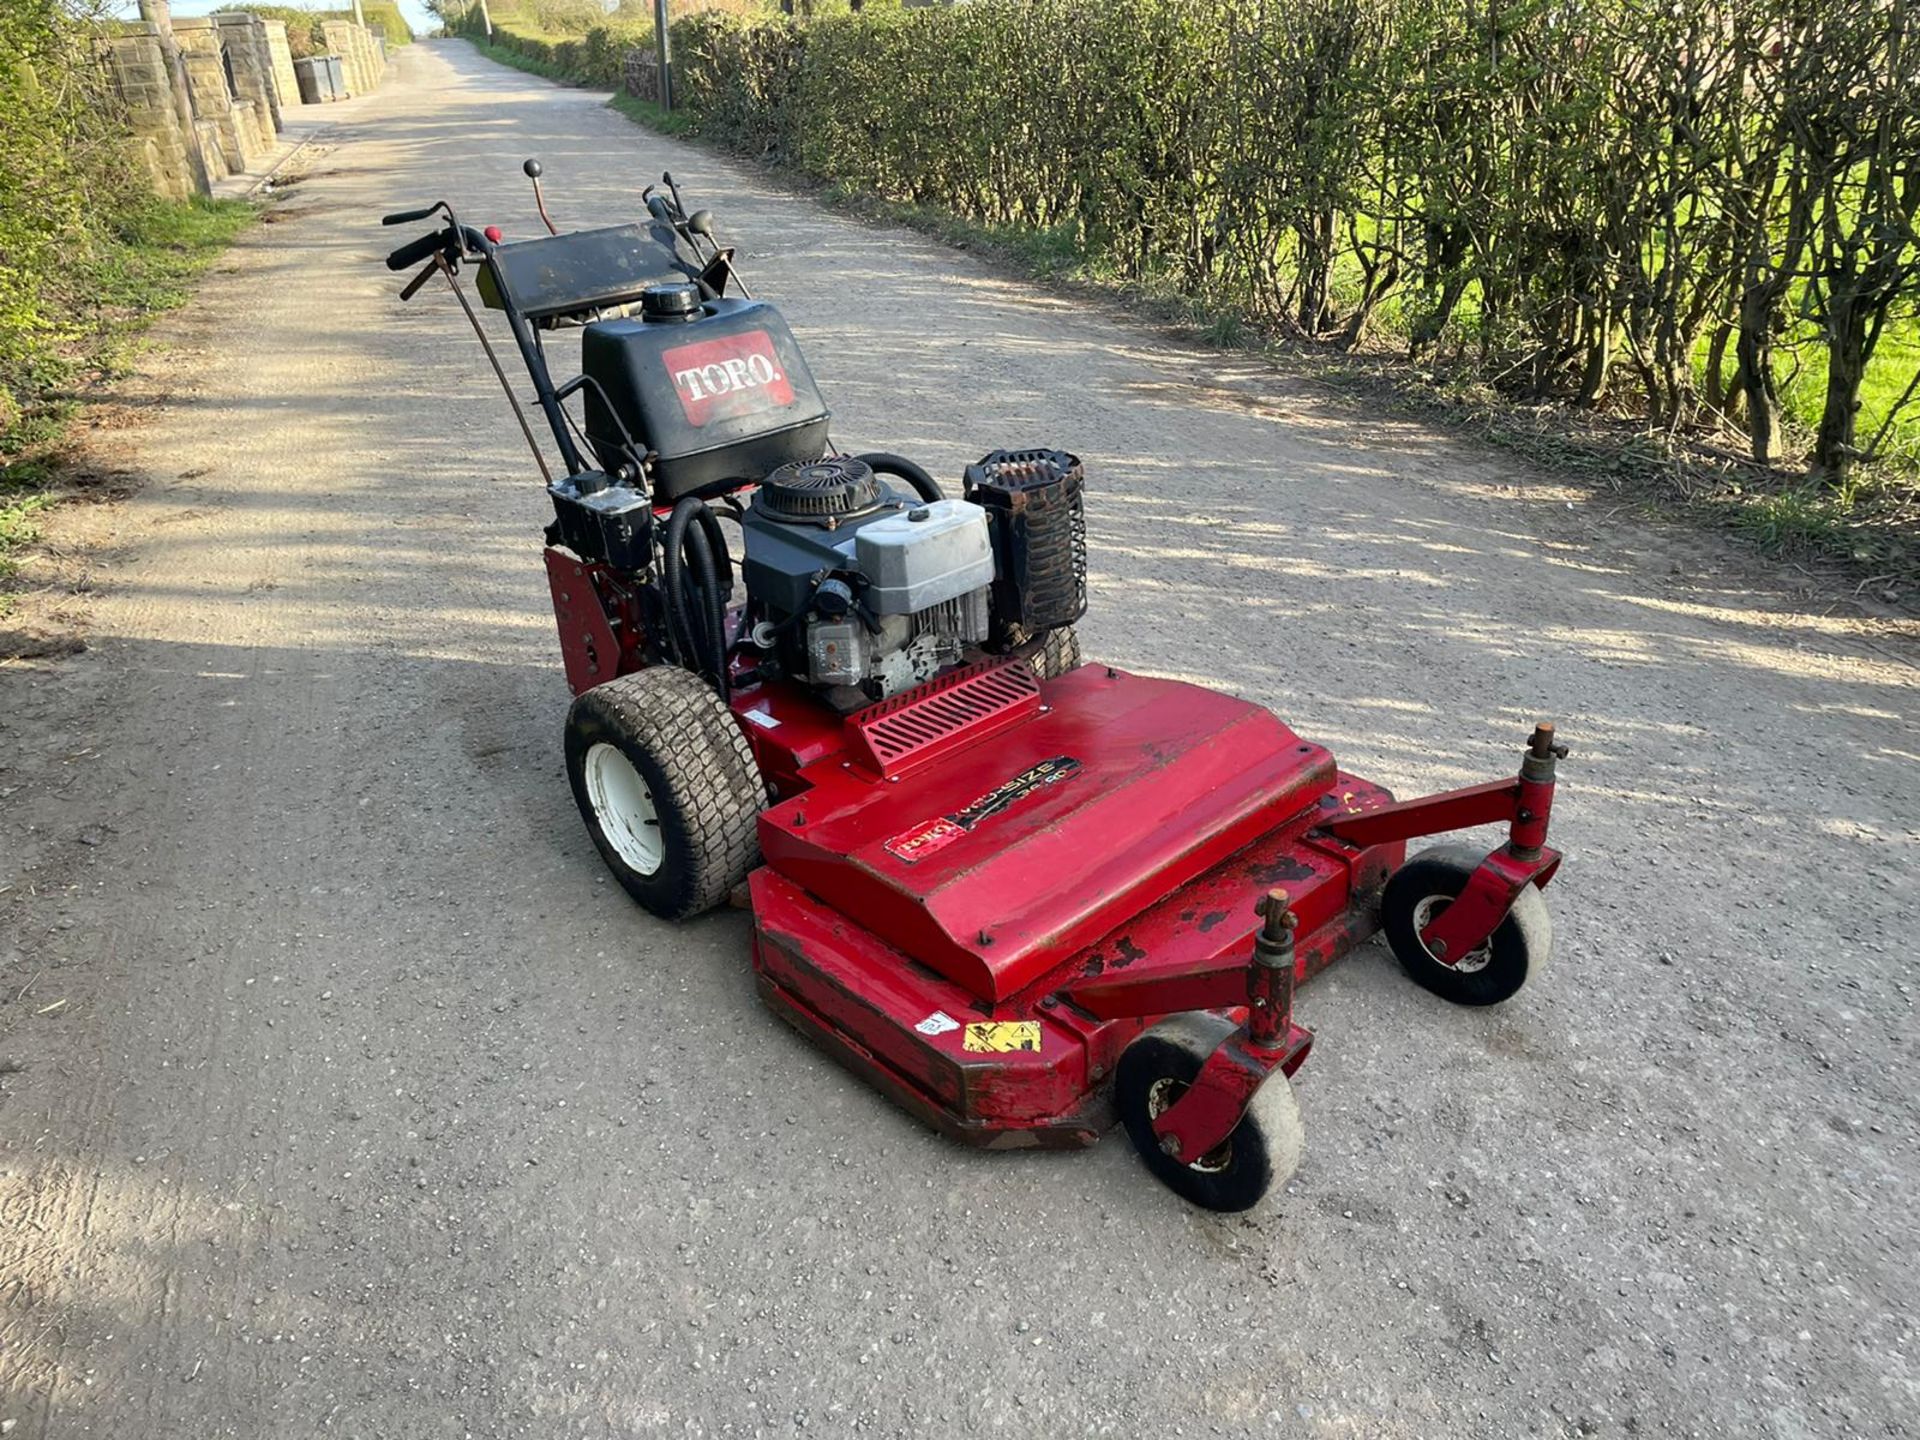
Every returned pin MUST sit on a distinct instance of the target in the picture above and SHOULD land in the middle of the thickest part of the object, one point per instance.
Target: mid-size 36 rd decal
(931, 835)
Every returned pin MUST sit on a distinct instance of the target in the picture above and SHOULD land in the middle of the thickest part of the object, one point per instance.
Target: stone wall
(216, 92)
(241, 80)
(139, 72)
(362, 61)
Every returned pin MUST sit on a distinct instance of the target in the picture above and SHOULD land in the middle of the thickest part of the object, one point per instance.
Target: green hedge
(594, 58)
(87, 252)
(65, 182)
(1564, 195)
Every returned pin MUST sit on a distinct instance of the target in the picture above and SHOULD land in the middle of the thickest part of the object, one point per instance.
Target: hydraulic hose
(697, 601)
(712, 609)
(882, 463)
(674, 580)
(722, 562)
(711, 550)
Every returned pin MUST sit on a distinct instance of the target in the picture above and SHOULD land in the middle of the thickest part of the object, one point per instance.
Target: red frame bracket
(1202, 1119)
(1524, 804)
(588, 647)
(1493, 803)
(1463, 927)
(1212, 1106)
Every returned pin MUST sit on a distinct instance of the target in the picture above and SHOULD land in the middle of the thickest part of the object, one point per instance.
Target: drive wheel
(1058, 653)
(1425, 886)
(1261, 1154)
(668, 788)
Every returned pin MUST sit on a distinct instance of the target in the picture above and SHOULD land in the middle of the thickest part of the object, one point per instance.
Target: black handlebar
(415, 251)
(407, 217)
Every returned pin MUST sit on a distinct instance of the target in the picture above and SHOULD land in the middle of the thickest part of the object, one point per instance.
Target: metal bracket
(1212, 1106)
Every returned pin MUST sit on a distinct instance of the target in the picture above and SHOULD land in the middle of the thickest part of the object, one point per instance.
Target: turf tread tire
(1058, 653)
(687, 746)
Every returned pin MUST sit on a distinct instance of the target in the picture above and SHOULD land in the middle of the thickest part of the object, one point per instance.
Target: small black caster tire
(667, 786)
(1255, 1161)
(1518, 948)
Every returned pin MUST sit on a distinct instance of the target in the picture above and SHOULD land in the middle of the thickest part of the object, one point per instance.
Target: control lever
(678, 204)
(533, 170)
(413, 286)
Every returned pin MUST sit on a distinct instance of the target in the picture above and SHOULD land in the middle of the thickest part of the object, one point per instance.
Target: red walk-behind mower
(1017, 892)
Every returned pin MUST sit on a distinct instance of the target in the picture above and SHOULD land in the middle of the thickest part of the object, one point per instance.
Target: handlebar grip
(412, 254)
(407, 217)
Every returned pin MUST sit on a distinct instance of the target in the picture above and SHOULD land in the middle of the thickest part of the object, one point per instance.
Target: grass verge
(146, 267)
(651, 115)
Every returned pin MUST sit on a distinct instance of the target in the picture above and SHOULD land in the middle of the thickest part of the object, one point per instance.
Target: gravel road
(347, 1096)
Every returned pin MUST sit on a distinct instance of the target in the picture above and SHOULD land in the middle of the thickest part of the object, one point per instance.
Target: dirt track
(358, 1102)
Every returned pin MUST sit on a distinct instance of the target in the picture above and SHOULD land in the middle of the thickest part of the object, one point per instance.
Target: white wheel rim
(624, 807)
(1423, 916)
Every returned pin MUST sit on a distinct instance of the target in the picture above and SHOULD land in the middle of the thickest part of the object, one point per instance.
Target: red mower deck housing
(990, 885)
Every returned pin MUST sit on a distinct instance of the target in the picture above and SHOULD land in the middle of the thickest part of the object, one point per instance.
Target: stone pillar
(246, 42)
(156, 19)
(370, 57)
(234, 125)
(139, 70)
(339, 35)
(357, 48)
(285, 83)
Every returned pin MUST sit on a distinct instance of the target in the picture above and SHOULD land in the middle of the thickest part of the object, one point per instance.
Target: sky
(414, 10)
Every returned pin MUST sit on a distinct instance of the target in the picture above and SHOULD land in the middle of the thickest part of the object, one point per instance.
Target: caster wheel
(1258, 1157)
(668, 788)
(1426, 885)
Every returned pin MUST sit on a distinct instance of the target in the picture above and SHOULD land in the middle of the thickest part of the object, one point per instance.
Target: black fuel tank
(720, 393)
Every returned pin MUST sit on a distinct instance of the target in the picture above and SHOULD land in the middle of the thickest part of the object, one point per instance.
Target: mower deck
(975, 920)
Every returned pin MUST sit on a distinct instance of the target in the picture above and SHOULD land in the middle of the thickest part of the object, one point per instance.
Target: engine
(864, 590)
(860, 586)
(856, 583)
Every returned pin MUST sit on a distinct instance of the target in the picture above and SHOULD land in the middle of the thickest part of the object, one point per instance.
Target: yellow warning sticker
(1001, 1036)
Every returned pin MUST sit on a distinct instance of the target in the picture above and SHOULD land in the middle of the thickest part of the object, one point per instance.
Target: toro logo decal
(734, 375)
(912, 846)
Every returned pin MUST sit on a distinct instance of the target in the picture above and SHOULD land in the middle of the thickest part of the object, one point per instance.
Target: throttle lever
(532, 170)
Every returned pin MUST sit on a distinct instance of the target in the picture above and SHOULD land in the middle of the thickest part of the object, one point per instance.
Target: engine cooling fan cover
(832, 488)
